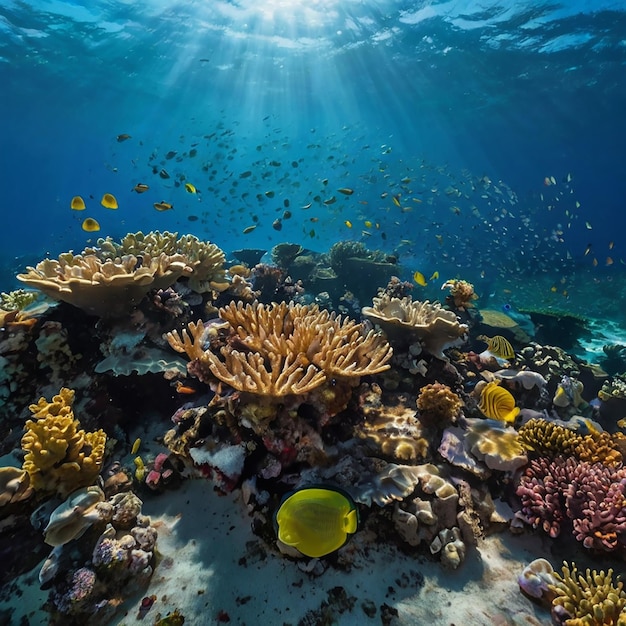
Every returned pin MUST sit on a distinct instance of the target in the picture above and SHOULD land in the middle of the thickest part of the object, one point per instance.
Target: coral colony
(284, 376)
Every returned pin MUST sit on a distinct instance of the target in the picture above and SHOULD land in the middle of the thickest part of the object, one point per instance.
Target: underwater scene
(313, 312)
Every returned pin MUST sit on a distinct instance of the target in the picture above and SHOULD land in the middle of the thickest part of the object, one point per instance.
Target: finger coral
(112, 278)
(286, 348)
(592, 599)
(60, 456)
(588, 497)
(407, 321)
(548, 438)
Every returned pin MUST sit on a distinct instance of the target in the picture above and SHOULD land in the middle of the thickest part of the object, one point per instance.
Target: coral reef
(406, 321)
(60, 456)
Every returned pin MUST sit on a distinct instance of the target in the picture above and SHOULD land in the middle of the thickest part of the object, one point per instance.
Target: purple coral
(591, 495)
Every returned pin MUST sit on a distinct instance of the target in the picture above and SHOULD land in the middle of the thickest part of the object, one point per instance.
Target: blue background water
(360, 94)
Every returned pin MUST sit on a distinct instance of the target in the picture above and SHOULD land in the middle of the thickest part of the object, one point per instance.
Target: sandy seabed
(214, 570)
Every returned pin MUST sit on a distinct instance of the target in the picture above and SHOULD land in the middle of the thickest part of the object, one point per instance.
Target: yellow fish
(90, 225)
(348, 223)
(108, 201)
(368, 224)
(162, 206)
(435, 275)
(420, 279)
(346, 191)
(190, 188)
(77, 204)
(396, 200)
(497, 403)
(248, 229)
(140, 472)
(498, 346)
(140, 187)
(316, 520)
(136, 445)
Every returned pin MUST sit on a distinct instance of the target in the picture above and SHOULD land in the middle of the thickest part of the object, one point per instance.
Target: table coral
(406, 321)
(112, 278)
(60, 456)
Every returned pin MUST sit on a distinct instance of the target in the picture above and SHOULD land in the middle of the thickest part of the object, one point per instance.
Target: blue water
(475, 106)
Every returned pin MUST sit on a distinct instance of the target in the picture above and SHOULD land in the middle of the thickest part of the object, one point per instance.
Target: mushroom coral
(285, 348)
(406, 321)
(112, 278)
(60, 456)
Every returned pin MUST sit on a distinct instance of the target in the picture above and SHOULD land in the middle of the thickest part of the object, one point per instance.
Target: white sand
(203, 537)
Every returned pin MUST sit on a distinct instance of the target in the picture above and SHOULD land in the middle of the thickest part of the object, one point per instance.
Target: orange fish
(184, 389)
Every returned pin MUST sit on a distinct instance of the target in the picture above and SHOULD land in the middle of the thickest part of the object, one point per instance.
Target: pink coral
(591, 495)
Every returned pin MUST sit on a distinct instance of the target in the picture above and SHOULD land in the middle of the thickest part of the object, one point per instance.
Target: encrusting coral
(286, 348)
(60, 456)
(109, 280)
(406, 321)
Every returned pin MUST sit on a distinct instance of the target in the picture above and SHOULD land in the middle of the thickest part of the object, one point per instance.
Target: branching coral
(592, 599)
(438, 404)
(286, 348)
(591, 496)
(112, 278)
(60, 456)
(548, 438)
(406, 321)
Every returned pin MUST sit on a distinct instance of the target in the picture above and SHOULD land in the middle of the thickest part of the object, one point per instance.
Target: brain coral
(60, 456)
(438, 404)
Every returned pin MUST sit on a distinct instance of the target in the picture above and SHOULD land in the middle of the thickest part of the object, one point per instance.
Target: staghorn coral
(60, 456)
(286, 348)
(406, 321)
(592, 599)
(462, 293)
(112, 278)
(438, 405)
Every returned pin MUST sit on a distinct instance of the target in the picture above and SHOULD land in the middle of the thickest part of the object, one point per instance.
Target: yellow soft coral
(60, 456)
(592, 599)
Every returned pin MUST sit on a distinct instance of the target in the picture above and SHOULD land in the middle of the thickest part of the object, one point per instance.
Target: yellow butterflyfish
(420, 279)
(497, 403)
